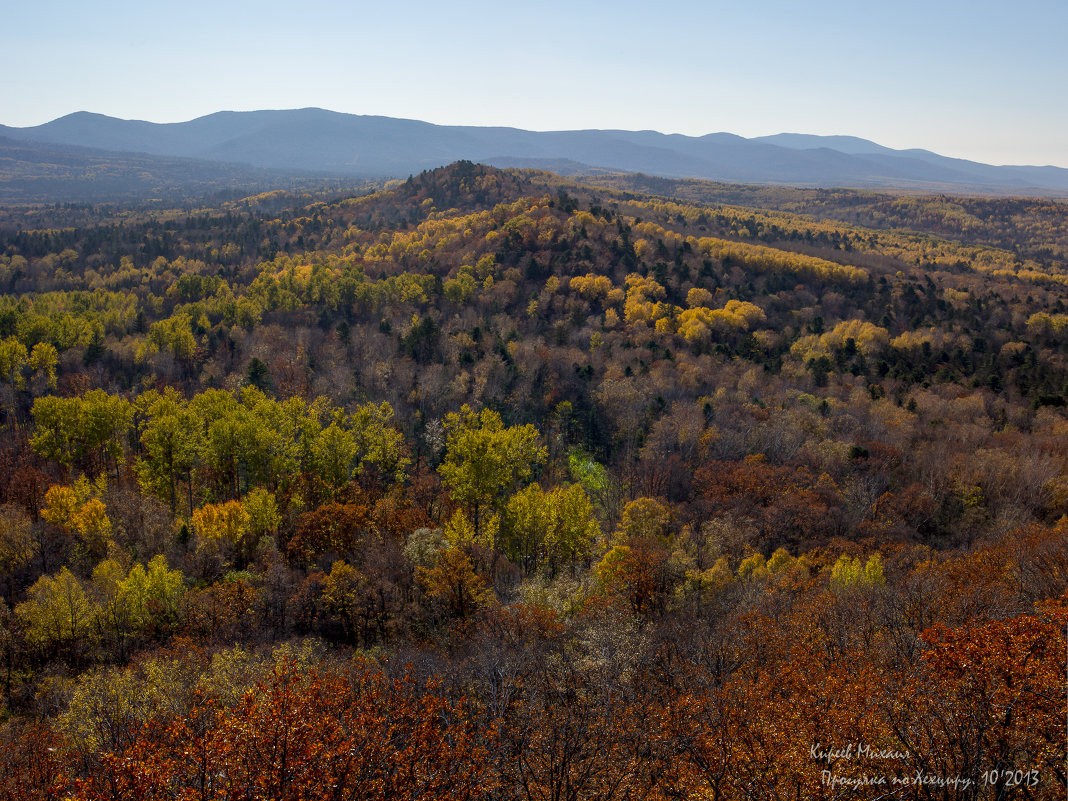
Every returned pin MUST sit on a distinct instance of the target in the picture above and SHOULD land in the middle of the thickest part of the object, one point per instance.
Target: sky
(981, 80)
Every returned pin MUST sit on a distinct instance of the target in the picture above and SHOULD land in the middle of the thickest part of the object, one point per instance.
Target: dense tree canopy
(495, 485)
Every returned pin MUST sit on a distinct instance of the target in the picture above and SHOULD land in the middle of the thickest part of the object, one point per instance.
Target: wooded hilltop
(492, 484)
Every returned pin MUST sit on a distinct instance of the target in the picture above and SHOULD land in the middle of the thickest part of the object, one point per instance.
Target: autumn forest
(491, 484)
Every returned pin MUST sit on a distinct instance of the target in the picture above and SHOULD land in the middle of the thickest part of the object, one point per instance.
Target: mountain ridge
(34, 172)
(321, 141)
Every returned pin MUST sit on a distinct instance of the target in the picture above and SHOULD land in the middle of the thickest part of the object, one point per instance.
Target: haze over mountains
(261, 146)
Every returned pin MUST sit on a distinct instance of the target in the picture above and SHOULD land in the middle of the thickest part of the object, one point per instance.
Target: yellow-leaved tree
(221, 528)
(58, 615)
(485, 460)
(548, 529)
(78, 510)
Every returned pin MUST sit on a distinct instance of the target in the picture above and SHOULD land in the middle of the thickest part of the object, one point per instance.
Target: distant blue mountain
(325, 142)
(42, 172)
(843, 144)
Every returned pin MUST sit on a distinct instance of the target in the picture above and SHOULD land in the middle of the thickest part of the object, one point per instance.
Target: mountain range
(261, 146)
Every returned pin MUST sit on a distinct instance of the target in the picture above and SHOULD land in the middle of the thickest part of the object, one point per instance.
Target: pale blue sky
(978, 79)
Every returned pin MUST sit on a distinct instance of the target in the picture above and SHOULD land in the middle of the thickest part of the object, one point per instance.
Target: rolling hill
(316, 141)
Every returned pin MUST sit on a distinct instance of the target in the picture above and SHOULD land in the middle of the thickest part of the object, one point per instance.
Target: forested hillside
(496, 485)
(1027, 226)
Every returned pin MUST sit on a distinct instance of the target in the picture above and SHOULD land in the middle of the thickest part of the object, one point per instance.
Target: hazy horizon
(973, 80)
(843, 135)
